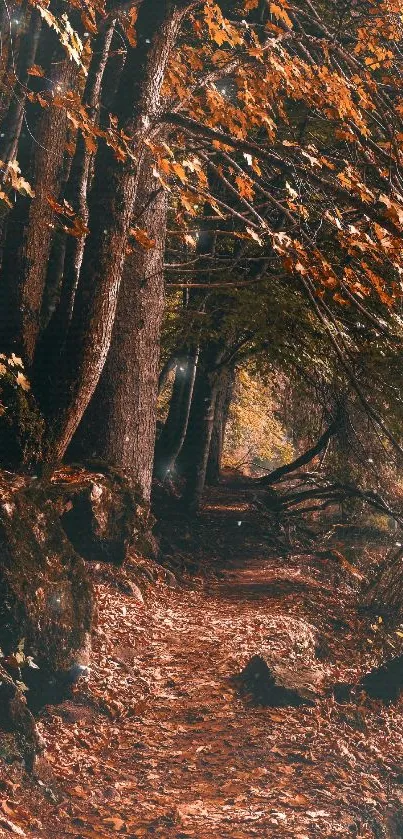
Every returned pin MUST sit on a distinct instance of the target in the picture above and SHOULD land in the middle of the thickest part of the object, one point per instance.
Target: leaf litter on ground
(159, 742)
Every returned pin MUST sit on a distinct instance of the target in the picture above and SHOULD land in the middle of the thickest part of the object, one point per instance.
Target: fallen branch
(303, 459)
(335, 494)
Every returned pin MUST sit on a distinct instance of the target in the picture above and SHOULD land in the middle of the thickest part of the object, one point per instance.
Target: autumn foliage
(201, 266)
(276, 127)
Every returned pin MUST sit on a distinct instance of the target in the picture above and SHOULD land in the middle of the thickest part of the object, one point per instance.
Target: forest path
(161, 744)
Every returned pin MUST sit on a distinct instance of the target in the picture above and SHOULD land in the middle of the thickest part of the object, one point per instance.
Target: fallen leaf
(13, 828)
(115, 823)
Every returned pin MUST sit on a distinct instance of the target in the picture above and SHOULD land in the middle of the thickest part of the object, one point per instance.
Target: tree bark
(24, 264)
(12, 122)
(72, 247)
(15, 714)
(119, 425)
(223, 401)
(173, 433)
(193, 458)
(112, 199)
(77, 186)
(9, 49)
(385, 595)
(304, 458)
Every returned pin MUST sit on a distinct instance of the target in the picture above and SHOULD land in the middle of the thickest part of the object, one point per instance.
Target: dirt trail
(161, 744)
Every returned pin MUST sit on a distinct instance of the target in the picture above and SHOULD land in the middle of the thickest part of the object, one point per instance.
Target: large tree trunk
(173, 433)
(120, 423)
(25, 263)
(112, 200)
(71, 248)
(77, 186)
(223, 401)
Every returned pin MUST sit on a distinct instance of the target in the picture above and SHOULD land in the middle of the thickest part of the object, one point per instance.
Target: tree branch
(305, 458)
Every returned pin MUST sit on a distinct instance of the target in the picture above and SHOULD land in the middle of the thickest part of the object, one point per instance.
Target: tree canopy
(245, 156)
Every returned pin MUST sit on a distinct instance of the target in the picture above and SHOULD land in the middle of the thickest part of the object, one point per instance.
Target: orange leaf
(280, 13)
(35, 70)
(180, 172)
(90, 143)
(130, 27)
(23, 382)
(245, 187)
(115, 823)
(142, 237)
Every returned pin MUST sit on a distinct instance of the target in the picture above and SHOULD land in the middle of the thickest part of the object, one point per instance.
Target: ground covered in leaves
(159, 742)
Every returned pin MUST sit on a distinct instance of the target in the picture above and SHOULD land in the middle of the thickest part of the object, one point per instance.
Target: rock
(15, 716)
(275, 684)
(384, 682)
(130, 588)
(46, 601)
(53, 688)
(285, 670)
(101, 512)
(170, 579)
(72, 712)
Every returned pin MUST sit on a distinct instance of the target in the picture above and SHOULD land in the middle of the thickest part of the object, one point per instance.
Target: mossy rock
(45, 594)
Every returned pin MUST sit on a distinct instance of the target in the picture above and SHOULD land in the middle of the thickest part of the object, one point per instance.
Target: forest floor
(160, 743)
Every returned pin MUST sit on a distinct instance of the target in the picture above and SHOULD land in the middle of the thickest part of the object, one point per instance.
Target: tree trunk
(112, 200)
(173, 433)
(77, 186)
(385, 595)
(9, 50)
(24, 264)
(223, 401)
(192, 462)
(12, 122)
(119, 426)
(71, 247)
